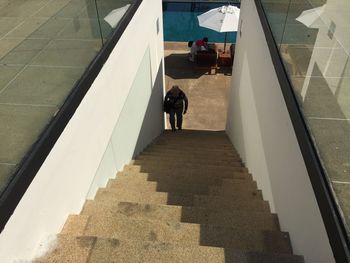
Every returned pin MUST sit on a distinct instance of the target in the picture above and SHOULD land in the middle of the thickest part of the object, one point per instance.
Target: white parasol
(221, 19)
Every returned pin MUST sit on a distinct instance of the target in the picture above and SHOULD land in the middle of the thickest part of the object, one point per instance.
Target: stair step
(69, 249)
(157, 151)
(150, 189)
(135, 183)
(242, 202)
(180, 136)
(265, 221)
(228, 187)
(183, 168)
(131, 183)
(195, 136)
(188, 147)
(103, 250)
(75, 224)
(173, 164)
(192, 150)
(249, 239)
(188, 179)
(190, 144)
(192, 159)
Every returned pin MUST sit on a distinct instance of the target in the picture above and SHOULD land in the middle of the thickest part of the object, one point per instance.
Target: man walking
(175, 103)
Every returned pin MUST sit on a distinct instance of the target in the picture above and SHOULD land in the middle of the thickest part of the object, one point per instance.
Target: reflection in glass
(45, 47)
(314, 42)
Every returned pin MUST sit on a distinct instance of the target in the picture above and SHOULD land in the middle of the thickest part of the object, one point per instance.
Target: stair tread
(185, 214)
(136, 182)
(193, 151)
(237, 181)
(213, 202)
(247, 238)
(186, 163)
(150, 167)
(130, 251)
(188, 178)
(209, 161)
(150, 188)
(176, 152)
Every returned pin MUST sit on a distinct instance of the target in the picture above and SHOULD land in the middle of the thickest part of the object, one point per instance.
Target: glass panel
(109, 13)
(314, 43)
(45, 46)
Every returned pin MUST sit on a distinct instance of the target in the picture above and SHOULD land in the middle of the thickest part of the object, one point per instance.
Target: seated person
(199, 45)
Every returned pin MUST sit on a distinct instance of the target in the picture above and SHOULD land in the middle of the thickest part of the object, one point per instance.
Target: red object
(200, 43)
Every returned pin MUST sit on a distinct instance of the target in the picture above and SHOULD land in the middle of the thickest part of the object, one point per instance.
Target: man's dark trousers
(178, 113)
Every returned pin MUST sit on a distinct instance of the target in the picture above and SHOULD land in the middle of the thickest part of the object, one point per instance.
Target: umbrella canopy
(221, 19)
(311, 17)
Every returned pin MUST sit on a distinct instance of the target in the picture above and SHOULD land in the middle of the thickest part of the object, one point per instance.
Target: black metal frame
(32, 162)
(335, 228)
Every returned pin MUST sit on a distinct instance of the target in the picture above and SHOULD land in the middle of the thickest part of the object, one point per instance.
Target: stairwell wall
(260, 128)
(120, 115)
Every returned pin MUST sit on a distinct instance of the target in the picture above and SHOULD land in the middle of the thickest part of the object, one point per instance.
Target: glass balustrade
(314, 42)
(45, 47)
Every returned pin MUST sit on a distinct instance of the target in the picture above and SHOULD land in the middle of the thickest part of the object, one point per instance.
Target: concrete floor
(207, 93)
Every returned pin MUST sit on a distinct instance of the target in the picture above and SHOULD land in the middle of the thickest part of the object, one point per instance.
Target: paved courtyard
(207, 93)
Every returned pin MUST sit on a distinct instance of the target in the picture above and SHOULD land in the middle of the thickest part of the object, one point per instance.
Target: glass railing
(45, 47)
(313, 40)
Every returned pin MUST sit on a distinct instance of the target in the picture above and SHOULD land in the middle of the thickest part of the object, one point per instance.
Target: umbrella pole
(225, 42)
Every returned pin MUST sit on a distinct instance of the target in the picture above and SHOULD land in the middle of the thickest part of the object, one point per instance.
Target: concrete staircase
(186, 198)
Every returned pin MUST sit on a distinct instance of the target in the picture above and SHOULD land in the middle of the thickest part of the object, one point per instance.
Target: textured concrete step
(262, 220)
(231, 186)
(137, 182)
(242, 202)
(193, 150)
(185, 163)
(103, 250)
(188, 159)
(206, 145)
(185, 167)
(69, 249)
(125, 185)
(190, 171)
(249, 238)
(182, 154)
(189, 146)
(195, 134)
(169, 151)
(196, 138)
(188, 179)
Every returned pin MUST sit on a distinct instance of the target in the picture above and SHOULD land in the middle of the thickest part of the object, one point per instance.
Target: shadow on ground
(177, 66)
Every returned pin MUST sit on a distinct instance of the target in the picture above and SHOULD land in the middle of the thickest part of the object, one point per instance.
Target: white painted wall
(260, 128)
(95, 143)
